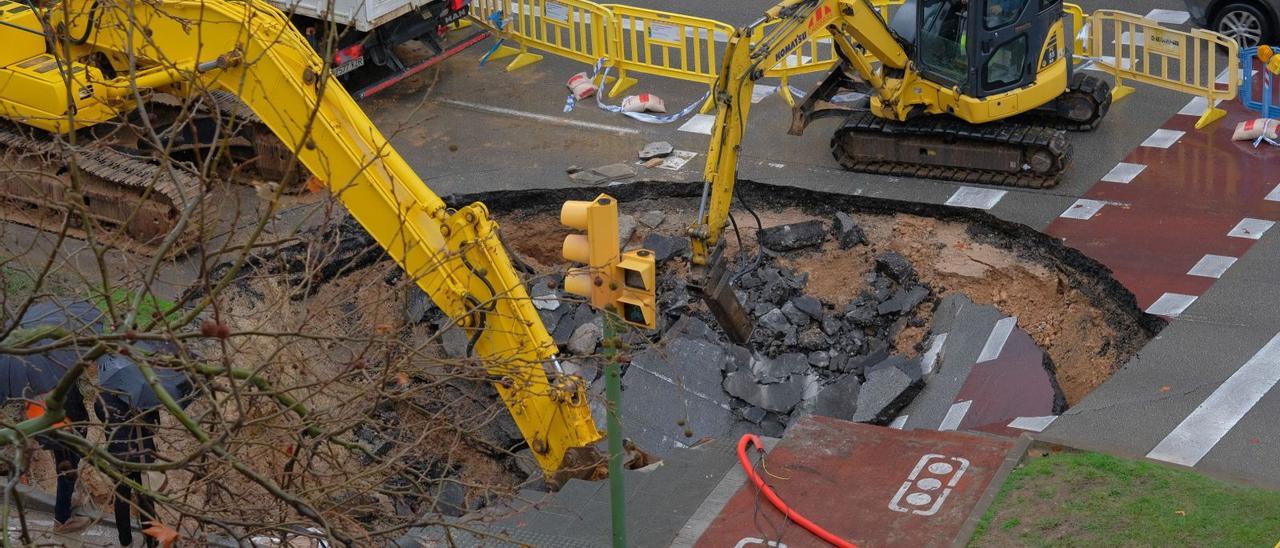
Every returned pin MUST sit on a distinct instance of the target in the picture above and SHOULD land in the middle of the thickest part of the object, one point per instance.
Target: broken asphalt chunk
(656, 149)
(793, 236)
(778, 397)
(847, 232)
(666, 247)
(896, 267)
(886, 392)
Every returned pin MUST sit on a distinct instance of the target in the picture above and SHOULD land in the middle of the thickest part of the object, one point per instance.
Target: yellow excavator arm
(250, 49)
(873, 56)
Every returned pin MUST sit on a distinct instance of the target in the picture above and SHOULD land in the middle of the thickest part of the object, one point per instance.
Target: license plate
(348, 66)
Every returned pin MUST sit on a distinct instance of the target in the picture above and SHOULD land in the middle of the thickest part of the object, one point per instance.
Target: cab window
(942, 40)
(1000, 13)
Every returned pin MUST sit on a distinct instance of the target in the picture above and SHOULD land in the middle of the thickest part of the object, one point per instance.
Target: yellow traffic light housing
(623, 282)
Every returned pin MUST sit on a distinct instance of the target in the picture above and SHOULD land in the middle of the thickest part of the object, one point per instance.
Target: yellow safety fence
(665, 44)
(1078, 30)
(569, 28)
(1132, 47)
(636, 40)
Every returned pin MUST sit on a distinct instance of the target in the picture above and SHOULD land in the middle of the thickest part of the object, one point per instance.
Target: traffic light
(623, 282)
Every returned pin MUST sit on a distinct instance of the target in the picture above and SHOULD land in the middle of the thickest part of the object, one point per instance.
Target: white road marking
(899, 422)
(955, 415)
(1219, 413)
(1171, 17)
(977, 198)
(995, 341)
(554, 120)
(848, 97)
(760, 92)
(1083, 209)
(1252, 229)
(1033, 424)
(1212, 266)
(1196, 106)
(1274, 195)
(1163, 138)
(1127, 37)
(699, 123)
(1123, 173)
(930, 357)
(1171, 304)
(1107, 59)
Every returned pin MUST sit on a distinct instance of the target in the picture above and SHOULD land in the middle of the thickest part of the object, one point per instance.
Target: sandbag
(581, 86)
(1252, 129)
(645, 102)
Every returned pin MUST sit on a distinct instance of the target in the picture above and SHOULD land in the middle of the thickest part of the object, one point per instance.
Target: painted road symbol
(929, 484)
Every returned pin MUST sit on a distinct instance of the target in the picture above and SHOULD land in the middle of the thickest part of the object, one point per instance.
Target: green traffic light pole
(613, 402)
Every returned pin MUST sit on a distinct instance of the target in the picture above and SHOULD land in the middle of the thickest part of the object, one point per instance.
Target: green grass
(1090, 499)
(149, 307)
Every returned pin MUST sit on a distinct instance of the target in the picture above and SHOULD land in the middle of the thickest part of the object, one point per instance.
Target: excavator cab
(983, 47)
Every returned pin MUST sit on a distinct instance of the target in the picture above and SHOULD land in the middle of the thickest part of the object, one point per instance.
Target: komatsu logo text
(800, 39)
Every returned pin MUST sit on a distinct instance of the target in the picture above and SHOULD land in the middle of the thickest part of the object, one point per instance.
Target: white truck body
(363, 15)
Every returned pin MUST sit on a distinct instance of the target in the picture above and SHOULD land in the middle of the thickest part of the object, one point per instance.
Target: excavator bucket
(714, 289)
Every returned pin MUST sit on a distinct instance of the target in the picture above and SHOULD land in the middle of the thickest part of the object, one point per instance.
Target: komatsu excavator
(976, 91)
(78, 70)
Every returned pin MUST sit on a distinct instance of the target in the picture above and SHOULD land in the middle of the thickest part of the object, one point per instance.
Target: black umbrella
(120, 377)
(27, 376)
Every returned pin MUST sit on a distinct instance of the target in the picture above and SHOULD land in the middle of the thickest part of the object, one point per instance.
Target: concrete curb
(1016, 456)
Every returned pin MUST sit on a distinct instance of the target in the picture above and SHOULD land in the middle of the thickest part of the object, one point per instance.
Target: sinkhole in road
(848, 287)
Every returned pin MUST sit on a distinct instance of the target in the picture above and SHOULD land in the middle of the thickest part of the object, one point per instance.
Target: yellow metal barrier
(1078, 32)
(665, 44)
(1142, 50)
(574, 29)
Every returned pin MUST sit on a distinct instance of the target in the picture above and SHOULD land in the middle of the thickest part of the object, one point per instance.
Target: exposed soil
(1069, 305)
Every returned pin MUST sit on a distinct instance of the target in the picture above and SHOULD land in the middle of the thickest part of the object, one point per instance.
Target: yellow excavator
(978, 91)
(80, 71)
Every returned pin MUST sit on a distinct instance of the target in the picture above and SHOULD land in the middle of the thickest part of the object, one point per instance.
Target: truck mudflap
(411, 70)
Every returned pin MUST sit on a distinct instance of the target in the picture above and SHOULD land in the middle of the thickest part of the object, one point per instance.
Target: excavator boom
(927, 114)
(249, 49)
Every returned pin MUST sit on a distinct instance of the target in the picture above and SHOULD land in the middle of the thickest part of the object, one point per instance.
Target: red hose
(748, 439)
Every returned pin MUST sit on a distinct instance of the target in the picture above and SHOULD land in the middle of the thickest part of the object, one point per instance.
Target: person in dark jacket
(130, 438)
(65, 458)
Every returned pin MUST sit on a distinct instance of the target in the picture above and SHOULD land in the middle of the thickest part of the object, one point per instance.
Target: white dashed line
(699, 123)
(995, 341)
(1252, 229)
(899, 423)
(760, 92)
(1274, 196)
(1196, 106)
(1163, 138)
(1083, 209)
(1033, 424)
(1192, 439)
(976, 198)
(955, 415)
(1212, 266)
(1170, 17)
(930, 357)
(1171, 304)
(554, 120)
(1127, 37)
(1123, 173)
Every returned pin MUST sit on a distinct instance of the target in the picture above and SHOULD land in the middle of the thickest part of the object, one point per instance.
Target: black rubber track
(1028, 138)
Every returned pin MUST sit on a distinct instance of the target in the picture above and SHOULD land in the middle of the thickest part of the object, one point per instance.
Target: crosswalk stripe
(1210, 422)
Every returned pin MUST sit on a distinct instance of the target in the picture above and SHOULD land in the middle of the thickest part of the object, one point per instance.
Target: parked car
(1248, 22)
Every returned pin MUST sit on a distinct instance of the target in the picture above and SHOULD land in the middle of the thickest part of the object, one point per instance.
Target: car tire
(1243, 22)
